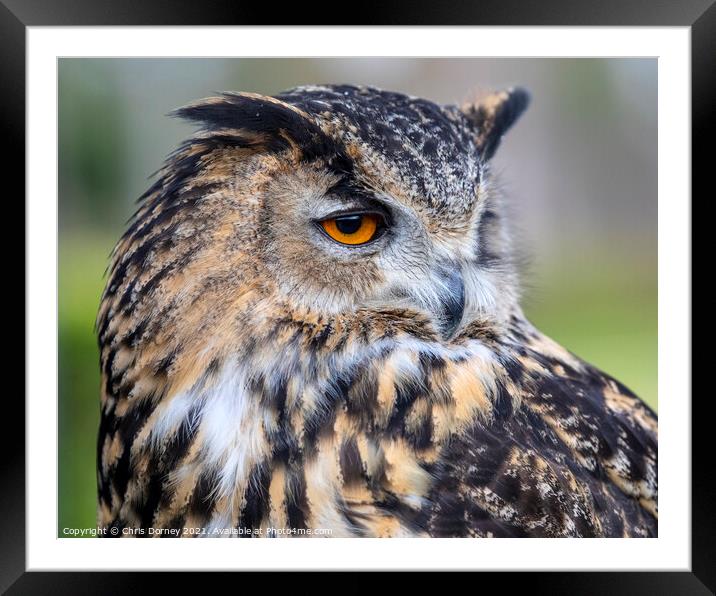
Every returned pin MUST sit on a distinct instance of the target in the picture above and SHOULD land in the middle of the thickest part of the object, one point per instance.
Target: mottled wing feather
(577, 458)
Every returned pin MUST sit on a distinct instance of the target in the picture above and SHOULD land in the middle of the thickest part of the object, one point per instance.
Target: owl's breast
(398, 437)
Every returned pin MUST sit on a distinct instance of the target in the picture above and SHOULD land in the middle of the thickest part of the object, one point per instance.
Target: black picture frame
(17, 15)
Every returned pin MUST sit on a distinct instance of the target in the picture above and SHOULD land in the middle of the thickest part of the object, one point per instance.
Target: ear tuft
(257, 121)
(259, 113)
(493, 115)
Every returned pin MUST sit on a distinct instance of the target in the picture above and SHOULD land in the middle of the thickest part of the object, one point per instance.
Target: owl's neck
(288, 441)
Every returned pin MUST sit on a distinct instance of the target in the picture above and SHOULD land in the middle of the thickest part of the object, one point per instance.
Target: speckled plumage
(256, 375)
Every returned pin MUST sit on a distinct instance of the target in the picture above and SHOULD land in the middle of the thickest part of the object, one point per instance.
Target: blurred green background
(579, 171)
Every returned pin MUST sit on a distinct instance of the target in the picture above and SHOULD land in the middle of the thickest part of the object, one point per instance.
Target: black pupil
(349, 224)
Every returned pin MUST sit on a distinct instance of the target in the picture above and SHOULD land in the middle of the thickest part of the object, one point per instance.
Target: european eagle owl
(312, 327)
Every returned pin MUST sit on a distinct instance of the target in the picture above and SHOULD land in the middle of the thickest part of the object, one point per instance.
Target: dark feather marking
(176, 523)
(153, 494)
(320, 421)
(201, 503)
(407, 392)
(129, 426)
(318, 341)
(486, 255)
(108, 365)
(362, 395)
(135, 334)
(502, 402)
(107, 428)
(422, 435)
(352, 518)
(175, 201)
(257, 498)
(177, 448)
(410, 518)
(351, 463)
(297, 508)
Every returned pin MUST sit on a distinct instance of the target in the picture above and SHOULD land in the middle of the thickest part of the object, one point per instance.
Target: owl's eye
(355, 229)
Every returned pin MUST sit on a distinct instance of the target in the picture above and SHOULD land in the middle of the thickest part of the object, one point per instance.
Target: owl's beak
(452, 300)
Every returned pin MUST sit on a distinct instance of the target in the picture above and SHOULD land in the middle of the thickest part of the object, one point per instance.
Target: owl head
(325, 206)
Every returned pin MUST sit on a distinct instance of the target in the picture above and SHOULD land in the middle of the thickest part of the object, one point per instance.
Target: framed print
(420, 290)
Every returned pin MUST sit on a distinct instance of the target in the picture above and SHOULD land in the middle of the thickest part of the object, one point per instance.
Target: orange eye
(352, 229)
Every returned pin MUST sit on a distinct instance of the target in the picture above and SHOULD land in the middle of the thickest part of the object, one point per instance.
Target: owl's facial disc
(440, 292)
(335, 246)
